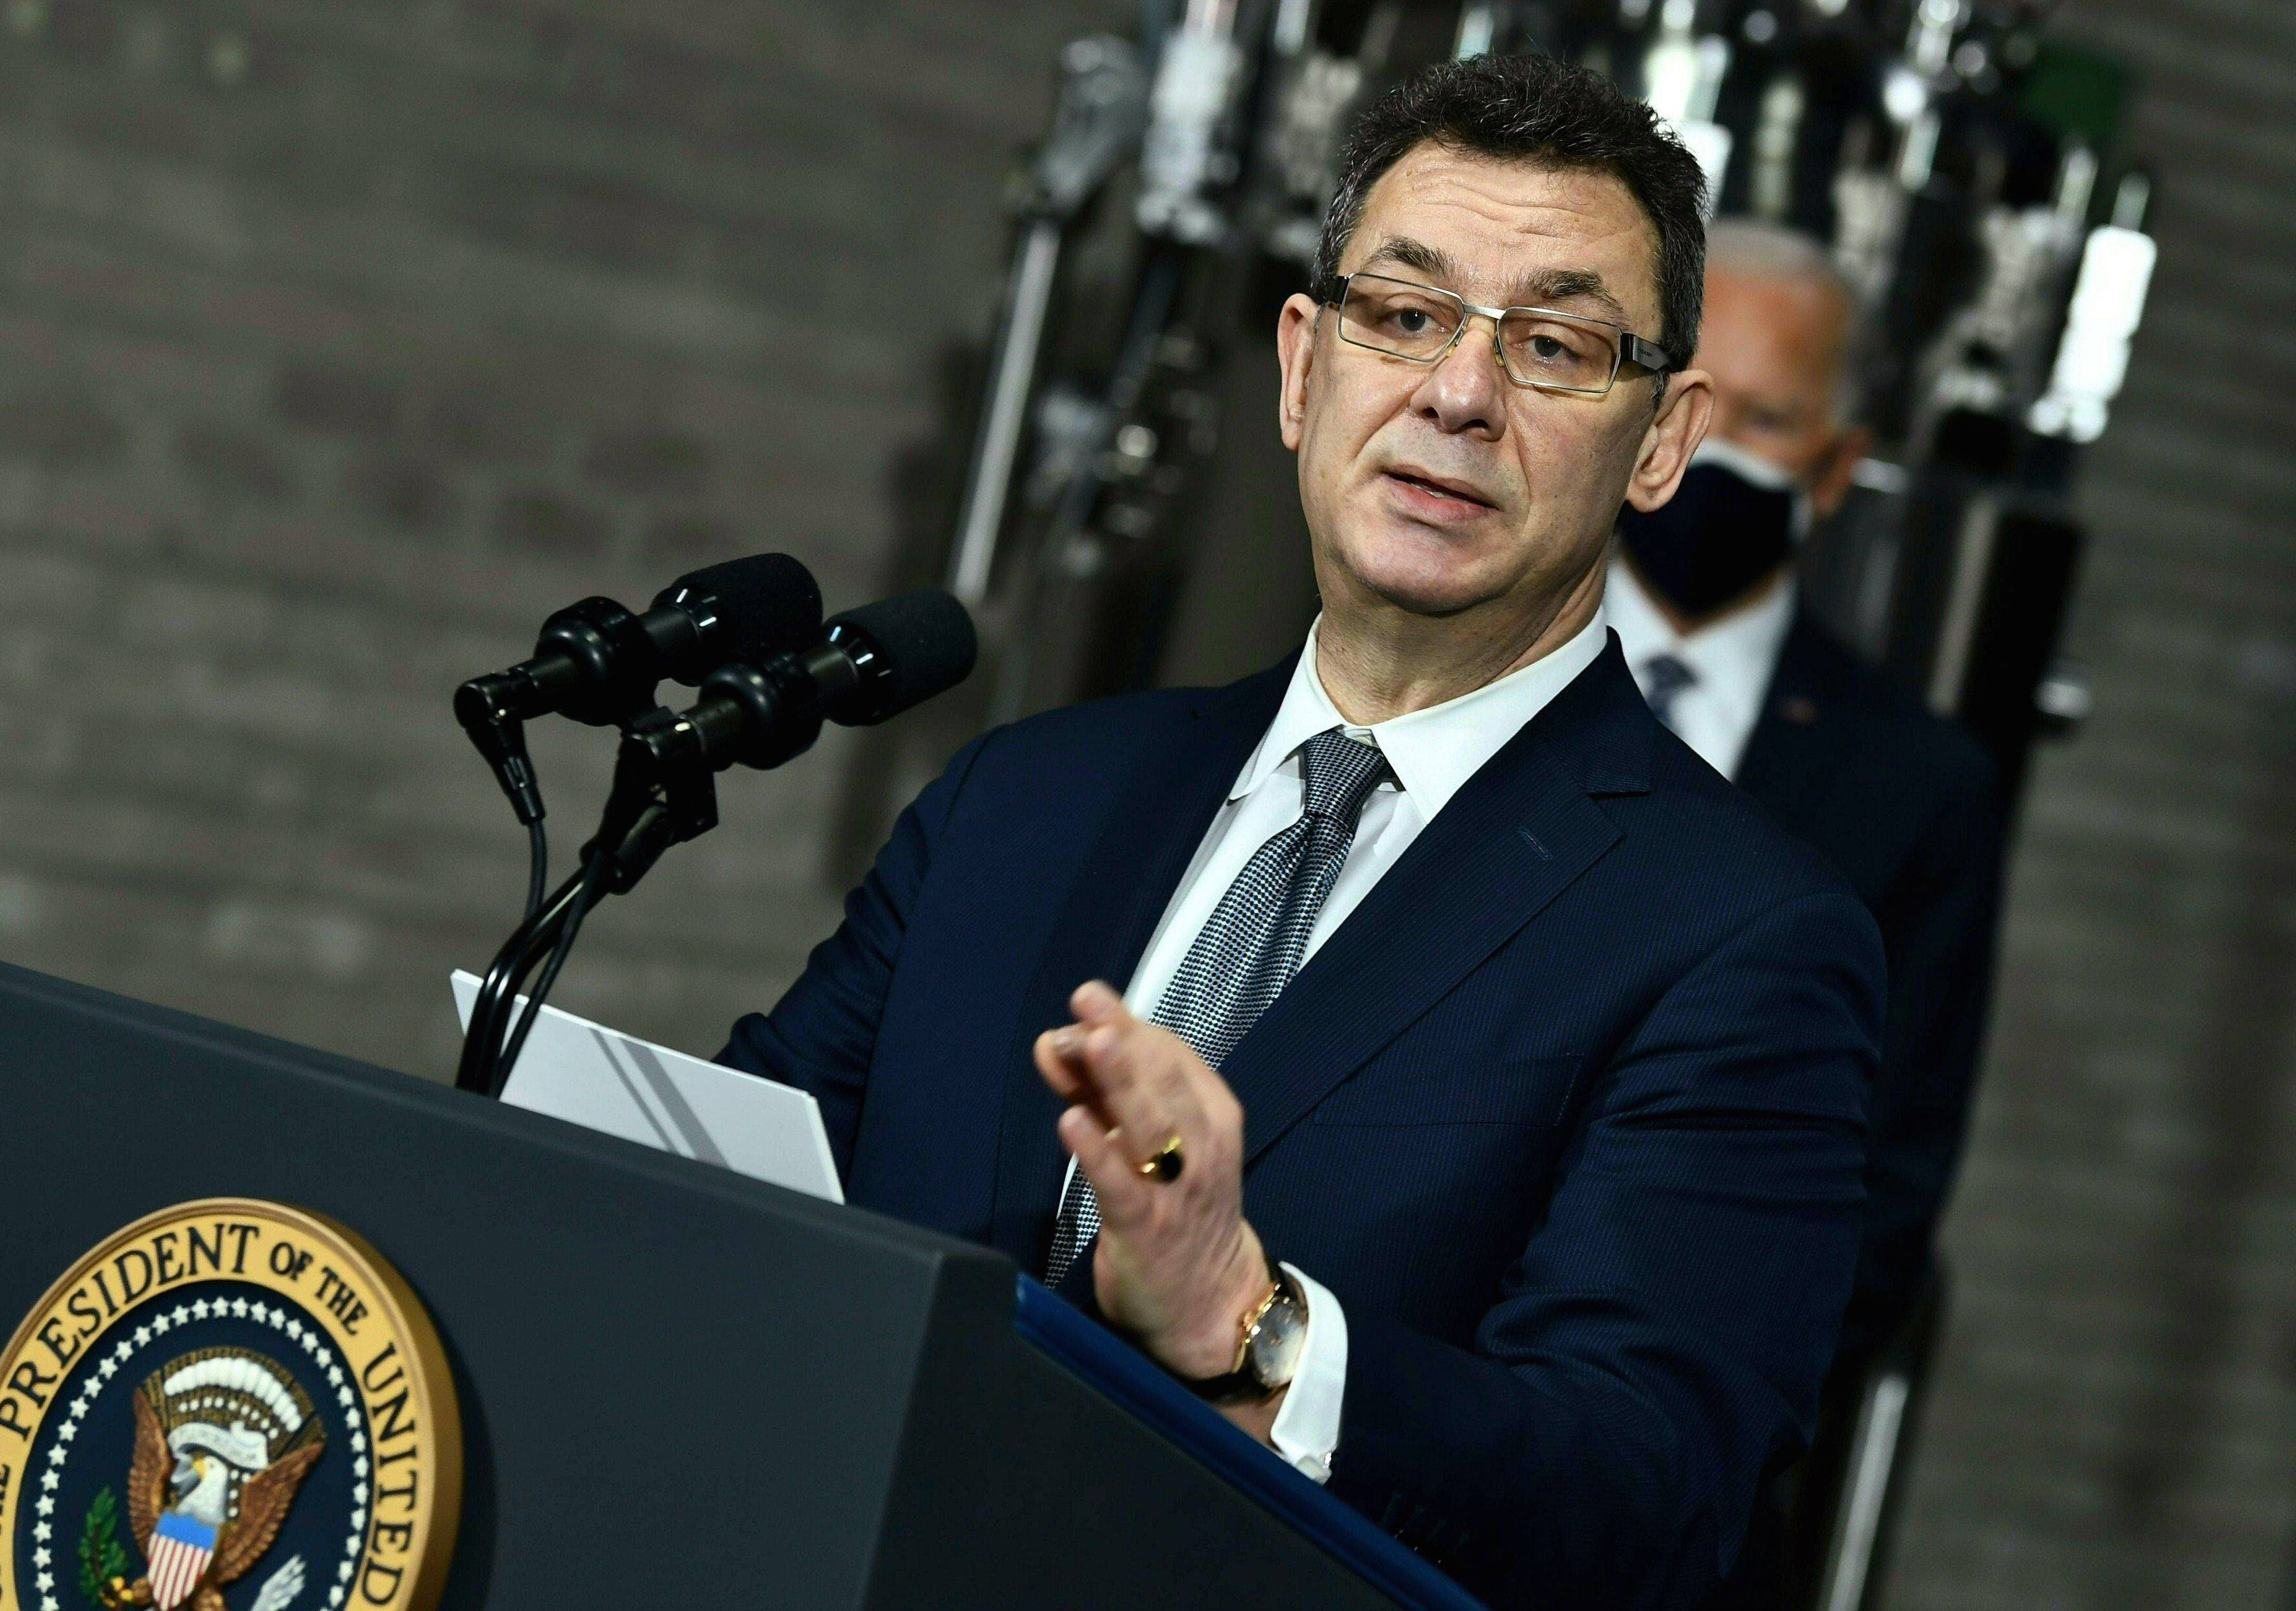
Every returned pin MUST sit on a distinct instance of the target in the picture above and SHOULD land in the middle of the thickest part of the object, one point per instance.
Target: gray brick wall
(342, 339)
(2116, 1422)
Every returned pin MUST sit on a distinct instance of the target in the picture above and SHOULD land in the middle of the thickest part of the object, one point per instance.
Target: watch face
(1273, 1354)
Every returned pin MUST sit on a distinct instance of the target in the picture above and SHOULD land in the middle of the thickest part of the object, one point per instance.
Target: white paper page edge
(617, 1046)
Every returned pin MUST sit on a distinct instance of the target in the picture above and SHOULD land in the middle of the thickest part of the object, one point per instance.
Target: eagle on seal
(206, 1499)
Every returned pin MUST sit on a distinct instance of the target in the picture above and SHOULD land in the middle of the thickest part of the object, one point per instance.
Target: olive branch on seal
(101, 1559)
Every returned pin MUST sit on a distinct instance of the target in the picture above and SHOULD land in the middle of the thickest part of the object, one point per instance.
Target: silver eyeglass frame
(1631, 348)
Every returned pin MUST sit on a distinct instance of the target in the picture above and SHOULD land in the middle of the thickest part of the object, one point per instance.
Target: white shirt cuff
(1306, 1430)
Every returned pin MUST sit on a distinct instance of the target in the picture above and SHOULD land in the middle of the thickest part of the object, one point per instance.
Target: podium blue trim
(1107, 1364)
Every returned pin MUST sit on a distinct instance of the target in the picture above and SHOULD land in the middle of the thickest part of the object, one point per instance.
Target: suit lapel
(1153, 824)
(1792, 744)
(1521, 831)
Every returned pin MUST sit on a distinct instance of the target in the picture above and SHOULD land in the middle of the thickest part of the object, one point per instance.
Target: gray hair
(1762, 250)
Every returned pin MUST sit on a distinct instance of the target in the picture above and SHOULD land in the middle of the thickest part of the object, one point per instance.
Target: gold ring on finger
(1166, 1162)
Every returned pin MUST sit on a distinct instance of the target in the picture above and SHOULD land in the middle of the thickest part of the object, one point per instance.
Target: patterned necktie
(1664, 680)
(1252, 944)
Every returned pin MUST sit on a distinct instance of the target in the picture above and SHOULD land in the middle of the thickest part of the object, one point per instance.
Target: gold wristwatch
(1270, 1337)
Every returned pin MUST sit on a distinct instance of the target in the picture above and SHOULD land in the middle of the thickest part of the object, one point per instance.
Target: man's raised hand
(1178, 1265)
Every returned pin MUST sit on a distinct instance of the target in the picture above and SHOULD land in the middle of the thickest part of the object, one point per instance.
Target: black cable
(512, 963)
(538, 867)
(517, 958)
(567, 931)
(502, 1006)
(487, 1057)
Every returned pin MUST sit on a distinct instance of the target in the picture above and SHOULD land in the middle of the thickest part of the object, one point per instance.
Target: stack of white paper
(603, 1079)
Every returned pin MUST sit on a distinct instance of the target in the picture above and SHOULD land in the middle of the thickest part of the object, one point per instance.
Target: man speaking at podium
(1414, 1048)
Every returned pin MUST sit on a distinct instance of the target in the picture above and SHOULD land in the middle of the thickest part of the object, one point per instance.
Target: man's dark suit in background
(1568, 1112)
(1902, 801)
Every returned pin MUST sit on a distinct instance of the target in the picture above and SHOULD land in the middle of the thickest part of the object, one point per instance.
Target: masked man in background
(1702, 597)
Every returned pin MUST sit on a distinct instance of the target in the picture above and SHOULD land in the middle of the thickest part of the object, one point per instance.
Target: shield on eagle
(224, 1438)
(181, 1547)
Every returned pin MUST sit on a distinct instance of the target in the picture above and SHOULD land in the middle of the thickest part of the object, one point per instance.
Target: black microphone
(596, 662)
(904, 651)
(758, 710)
(871, 664)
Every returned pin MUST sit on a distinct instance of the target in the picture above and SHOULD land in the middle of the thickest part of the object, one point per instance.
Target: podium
(679, 1386)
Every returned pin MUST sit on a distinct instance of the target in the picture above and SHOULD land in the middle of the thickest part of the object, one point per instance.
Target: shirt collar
(1732, 658)
(1434, 751)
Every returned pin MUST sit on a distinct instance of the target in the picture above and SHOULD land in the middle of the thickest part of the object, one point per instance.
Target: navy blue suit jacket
(1903, 802)
(1568, 1112)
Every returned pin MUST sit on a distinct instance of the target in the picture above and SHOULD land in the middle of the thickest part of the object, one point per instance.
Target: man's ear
(1672, 435)
(1295, 349)
(1838, 469)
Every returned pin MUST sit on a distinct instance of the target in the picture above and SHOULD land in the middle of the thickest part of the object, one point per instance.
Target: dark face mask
(1733, 519)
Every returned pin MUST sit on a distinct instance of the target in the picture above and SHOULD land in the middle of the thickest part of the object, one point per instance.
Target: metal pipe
(1870, 1464)
(989, 492)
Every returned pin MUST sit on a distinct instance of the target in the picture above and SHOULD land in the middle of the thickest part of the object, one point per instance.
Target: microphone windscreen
(925, 644)
(764, 605)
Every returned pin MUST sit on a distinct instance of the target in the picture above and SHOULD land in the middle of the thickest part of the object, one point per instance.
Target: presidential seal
(229, 1406)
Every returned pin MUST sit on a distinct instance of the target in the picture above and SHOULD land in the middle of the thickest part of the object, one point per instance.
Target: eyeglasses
(1537, 347)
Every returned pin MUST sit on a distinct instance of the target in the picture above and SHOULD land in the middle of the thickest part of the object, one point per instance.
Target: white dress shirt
(1432, 753)
(1732, 659)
